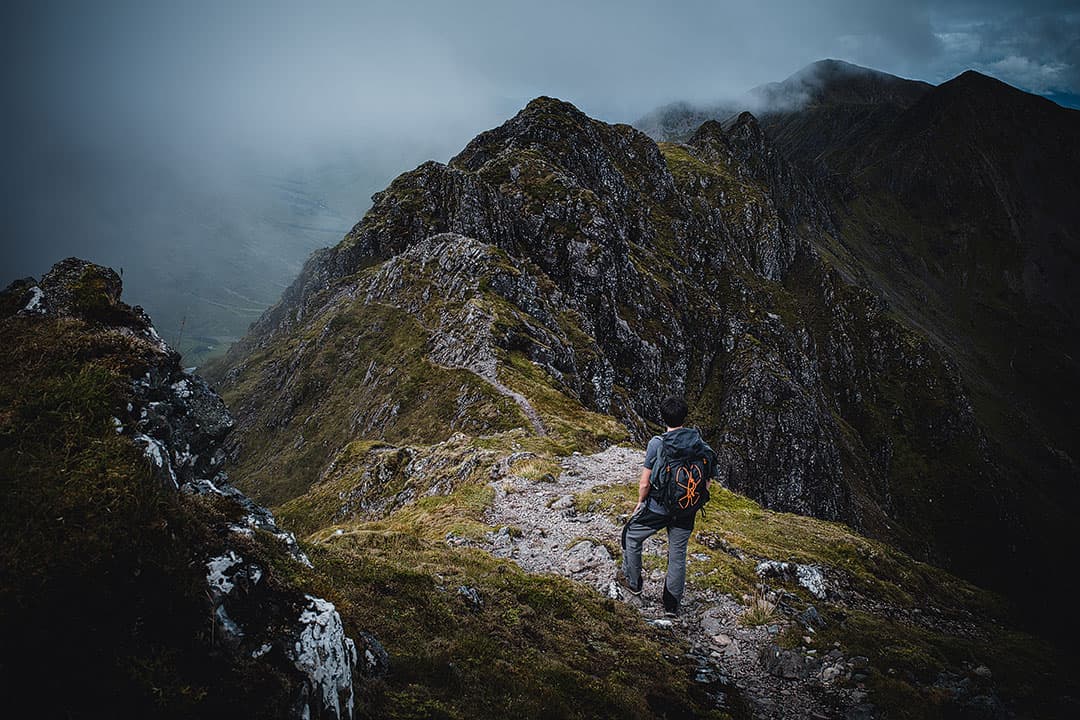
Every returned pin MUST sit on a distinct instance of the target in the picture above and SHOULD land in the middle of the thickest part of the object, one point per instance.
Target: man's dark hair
(673, 410)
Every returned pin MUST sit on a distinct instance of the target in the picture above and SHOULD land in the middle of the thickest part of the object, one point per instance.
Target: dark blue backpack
(679, 479)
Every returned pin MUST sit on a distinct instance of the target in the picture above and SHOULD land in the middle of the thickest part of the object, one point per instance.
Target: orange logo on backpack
(687, 480)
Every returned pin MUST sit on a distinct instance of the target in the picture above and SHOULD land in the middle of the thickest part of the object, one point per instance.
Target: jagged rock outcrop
(585, 258)
(293, 643)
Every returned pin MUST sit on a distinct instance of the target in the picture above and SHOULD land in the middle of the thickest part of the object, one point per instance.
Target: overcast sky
(129, 122)
(287, 75)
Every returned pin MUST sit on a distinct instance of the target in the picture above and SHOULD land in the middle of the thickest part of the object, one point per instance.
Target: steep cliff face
(587, 273)
(960, 210)
(136, 579)
(956, 205)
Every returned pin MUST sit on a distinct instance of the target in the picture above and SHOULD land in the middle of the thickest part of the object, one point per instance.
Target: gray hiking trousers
(644, 524)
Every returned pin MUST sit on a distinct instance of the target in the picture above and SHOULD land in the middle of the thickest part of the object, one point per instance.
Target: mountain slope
(594, 272)
(956, 205)
(830, 106)
(135, 581)
(962, 213)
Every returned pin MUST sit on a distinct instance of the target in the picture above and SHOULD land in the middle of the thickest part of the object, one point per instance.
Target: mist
(208, 147)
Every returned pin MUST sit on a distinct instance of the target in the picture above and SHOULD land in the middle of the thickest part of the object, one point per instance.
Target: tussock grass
(760, 610)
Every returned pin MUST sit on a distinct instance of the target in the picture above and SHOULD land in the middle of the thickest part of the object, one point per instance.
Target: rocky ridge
(422, 541)
(583, 258)
(955, 204)
(785, 616)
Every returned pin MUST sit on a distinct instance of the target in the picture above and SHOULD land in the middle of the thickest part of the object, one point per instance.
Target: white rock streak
(217, 568)
(326, 655)
(34, 304)
(158, 455)
(811, 578)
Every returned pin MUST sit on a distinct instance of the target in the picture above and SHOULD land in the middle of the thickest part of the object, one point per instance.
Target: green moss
(734, 521)
(368, 480)
(95, 295)
(563, 416)
(520, 439)
(686, 167)
(536, 468)
(714, 183)
(612, 500)
(905, 659)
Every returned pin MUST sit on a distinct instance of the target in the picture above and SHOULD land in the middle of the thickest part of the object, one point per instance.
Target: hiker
(673, 487)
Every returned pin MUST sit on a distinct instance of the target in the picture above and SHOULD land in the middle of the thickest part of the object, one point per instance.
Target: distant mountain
(831, 105)
(837, 99)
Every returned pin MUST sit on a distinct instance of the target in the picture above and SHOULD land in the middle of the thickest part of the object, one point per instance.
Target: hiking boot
(624, 583)
(671, 604)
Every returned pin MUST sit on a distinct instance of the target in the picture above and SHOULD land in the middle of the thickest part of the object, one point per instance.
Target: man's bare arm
(643, 487)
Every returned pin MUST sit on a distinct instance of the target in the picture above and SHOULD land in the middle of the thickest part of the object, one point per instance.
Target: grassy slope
(904, 651)
(360, 371)
(410, 398)
(547, 635)
(83, 519)
(103, 605)
(538, 646)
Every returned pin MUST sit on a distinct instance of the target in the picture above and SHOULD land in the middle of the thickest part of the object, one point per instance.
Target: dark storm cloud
(1035, 46)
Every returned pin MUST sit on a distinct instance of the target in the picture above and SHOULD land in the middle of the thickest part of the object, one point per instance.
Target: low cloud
(1030, 74)
(170, 131)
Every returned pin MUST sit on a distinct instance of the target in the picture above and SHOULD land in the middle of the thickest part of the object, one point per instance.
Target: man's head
(673, 411)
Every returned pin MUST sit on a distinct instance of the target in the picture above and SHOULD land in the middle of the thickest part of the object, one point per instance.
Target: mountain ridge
(567, 193)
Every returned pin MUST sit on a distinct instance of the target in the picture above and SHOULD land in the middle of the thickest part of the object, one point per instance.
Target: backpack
(679, 480)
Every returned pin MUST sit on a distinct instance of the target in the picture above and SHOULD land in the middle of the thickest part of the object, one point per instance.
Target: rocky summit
(406, 500)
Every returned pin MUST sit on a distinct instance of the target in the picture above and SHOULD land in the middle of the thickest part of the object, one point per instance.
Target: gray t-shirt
(651, 451)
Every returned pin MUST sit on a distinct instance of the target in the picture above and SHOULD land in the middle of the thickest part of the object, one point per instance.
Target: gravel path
(555, 539)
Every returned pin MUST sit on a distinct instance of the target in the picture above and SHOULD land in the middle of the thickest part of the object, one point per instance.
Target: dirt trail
(522, 401)
(584, 547)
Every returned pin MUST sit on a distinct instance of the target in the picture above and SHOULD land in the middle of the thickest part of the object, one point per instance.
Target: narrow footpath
(541, 530)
